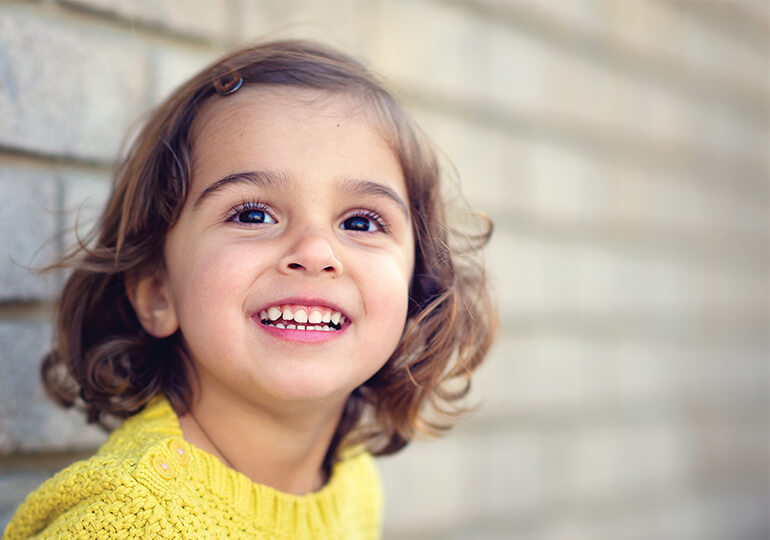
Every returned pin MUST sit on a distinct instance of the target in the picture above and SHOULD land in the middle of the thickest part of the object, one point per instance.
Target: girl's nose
(313, 254)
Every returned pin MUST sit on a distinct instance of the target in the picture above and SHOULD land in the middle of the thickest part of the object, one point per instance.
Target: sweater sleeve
(84, 502)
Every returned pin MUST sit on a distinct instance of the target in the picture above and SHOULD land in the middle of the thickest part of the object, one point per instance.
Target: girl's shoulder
(147, 481)
(102, 492)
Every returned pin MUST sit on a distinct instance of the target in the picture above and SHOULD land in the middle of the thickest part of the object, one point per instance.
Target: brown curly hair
(103, 360)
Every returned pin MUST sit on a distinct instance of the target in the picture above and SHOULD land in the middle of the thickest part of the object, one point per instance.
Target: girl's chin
(312, 389)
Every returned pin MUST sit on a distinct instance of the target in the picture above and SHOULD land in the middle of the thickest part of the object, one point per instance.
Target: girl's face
(297, 207)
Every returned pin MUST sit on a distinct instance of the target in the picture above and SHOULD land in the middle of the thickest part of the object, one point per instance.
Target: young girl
(273, 296)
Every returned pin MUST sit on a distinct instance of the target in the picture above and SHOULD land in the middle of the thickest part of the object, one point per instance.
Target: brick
(482, 530)
(572, 189)
(583, 18)
(530, 277)
(681, 519)
(513, 476)
(644, 376)
(507, 471)
(254, 18)
(541, 275)
(77, 97)
(742, 292)
(728, 449)
(593, 463)
(734, 515)
(660, 451)
(345, 24)
(172, 66)
(490, 166)
(670, 201)
(607, 524)
(83, 197)
(29, 206)
(546, 376)
(682, 37)
(470, 477)
(565, 377)
(257, 20)
(452, 65)
(566, 183)
(420, 492)
(199, 18)
(29, 422)
(732, 55)
(540, 81)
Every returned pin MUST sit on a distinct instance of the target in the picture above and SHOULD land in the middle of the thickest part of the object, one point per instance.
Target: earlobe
(151, 299)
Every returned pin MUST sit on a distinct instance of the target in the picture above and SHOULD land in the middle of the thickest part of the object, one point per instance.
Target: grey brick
(29, 208)
(538, 81)
(83, 198)
(347, 24)
(490, 166)
(40, 208)
(505, 470)
(426, 472)
(29, 422)
(173, 66)
(66, 90)
(202, 18)
(254, 18)
(566, 188)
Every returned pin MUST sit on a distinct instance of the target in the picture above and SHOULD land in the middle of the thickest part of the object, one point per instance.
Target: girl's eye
(253, 216)
(251, 213)
(364, 222)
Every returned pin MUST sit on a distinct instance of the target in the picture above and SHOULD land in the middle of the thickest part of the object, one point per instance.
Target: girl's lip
(301, 336)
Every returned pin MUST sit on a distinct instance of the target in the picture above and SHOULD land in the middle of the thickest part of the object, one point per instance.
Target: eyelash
(370, 214)
(247, 205)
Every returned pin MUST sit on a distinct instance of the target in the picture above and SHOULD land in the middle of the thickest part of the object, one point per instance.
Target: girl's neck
(285, 453)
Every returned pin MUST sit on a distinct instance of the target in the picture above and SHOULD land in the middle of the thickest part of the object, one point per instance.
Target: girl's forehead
(266, 100)
(280, 126)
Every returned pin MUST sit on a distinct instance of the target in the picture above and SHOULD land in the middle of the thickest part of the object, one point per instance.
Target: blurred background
(622, 148)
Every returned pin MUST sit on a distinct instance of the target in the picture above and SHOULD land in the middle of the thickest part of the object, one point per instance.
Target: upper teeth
(302, 314)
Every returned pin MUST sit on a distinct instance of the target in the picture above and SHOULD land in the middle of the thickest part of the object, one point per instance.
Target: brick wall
(622, 149)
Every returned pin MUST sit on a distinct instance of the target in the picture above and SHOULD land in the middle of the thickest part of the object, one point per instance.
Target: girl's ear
(150, 296)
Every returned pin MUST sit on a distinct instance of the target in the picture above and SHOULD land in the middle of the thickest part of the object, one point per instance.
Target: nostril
(295, 266)
(329, 269)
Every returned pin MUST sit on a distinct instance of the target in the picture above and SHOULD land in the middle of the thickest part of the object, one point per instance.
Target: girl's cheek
(213, 270)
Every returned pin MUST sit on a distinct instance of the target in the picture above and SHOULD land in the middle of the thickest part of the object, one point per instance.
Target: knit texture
(146, 481)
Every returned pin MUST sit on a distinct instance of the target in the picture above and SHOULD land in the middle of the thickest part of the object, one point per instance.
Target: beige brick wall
(621, 147)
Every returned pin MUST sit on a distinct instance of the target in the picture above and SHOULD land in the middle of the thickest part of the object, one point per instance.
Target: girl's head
(280, 186)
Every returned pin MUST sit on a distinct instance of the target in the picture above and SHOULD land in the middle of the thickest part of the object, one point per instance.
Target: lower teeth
(328, 328)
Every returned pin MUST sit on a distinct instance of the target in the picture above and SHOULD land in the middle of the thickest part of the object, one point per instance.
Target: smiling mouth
(308, 318)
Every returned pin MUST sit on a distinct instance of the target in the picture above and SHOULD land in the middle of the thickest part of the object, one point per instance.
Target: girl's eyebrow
(367, 187)
(278, 180)
(262, 179)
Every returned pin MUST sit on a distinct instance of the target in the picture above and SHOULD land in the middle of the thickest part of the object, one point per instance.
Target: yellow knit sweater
(148, 482)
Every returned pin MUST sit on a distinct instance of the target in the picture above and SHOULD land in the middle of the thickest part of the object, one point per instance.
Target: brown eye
(365, 221)
(251, 213)
(252, 216)
(359, 223)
